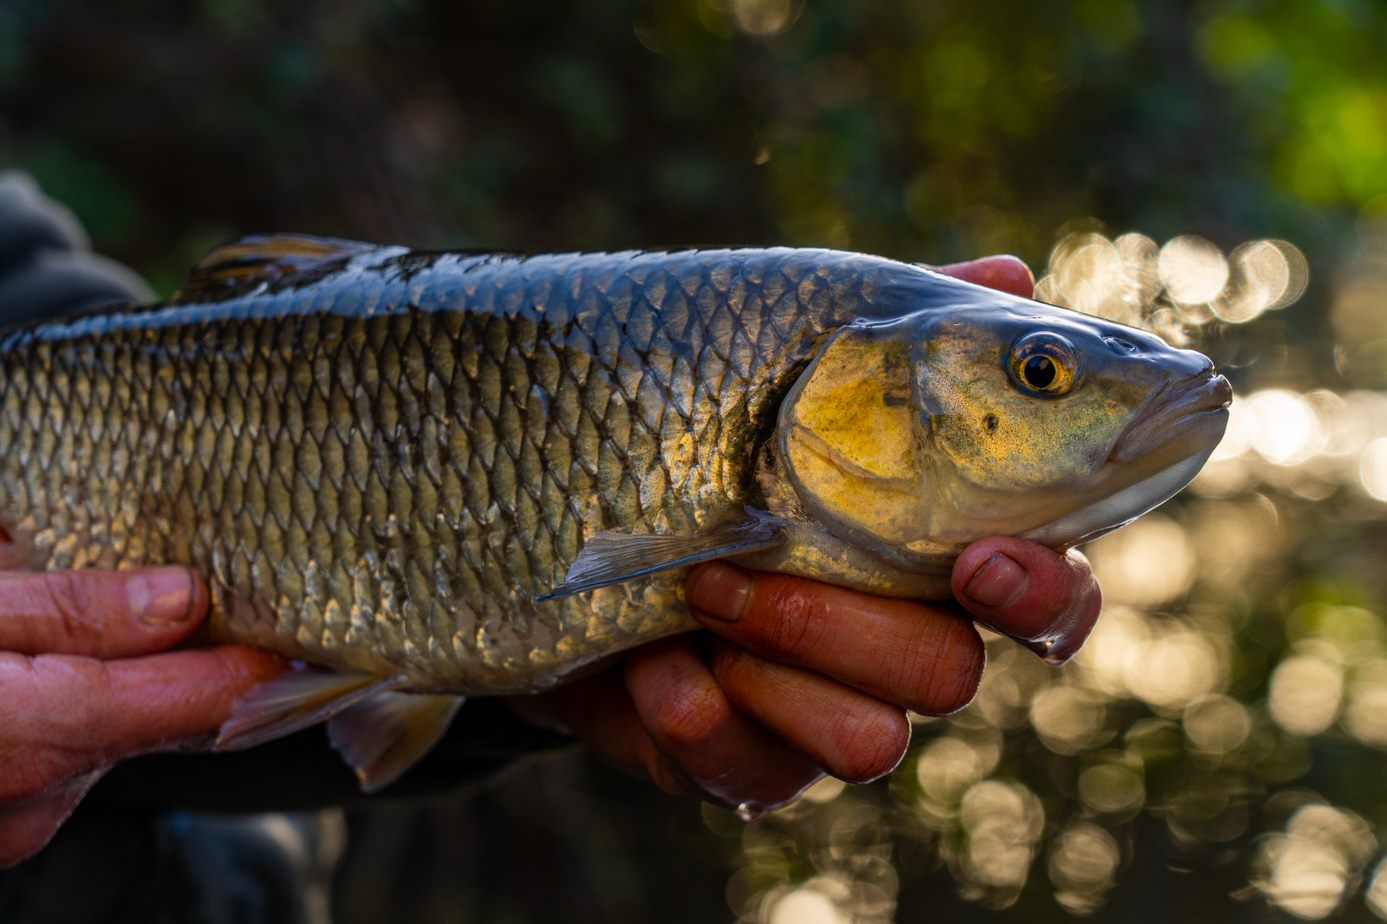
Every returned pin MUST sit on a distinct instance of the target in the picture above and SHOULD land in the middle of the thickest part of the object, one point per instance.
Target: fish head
(912, 437)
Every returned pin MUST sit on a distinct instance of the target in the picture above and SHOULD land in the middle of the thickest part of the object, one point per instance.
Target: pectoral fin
(388, 732)
(293, 701)
(613, 557)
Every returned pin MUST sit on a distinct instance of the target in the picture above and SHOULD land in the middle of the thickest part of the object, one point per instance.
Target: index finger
(103, 614)
(924, 658)
(115, 709)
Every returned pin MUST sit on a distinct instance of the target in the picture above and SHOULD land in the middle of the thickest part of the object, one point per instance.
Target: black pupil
(1039, 372)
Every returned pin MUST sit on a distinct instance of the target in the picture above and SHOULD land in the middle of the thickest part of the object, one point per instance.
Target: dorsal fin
(245, 263)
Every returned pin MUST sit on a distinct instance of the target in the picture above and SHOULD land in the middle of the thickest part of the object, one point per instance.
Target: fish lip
(1173, 411)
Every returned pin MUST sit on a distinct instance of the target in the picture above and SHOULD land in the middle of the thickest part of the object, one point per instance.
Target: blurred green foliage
(1159, 776)
(918, 129)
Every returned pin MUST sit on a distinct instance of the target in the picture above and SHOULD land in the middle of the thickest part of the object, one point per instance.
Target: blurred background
(1213, 169)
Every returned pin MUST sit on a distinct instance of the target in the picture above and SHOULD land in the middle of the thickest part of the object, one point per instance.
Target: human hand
(81, 686)
(802, 678)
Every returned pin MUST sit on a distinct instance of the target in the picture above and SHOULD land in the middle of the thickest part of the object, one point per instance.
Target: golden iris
(1044, 364)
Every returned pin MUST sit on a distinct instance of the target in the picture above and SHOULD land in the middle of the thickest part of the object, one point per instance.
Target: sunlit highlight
(1083, 864)
(1186, 283)
(1372, 469)
(1365, 712)
(1068, 719)
(1308, 444)
(805, 905)
(1192, 269)
(1305, 694)
(1376, 896)
(1002, 823)
(1217, 724)
(1285, 429)
(1310, 868)
(1123, 562)
(766, 17)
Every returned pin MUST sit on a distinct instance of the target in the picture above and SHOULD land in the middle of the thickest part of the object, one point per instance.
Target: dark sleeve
(46, 264)
(303, 772)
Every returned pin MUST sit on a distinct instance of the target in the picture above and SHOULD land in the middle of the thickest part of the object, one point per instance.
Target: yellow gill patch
(849, 433)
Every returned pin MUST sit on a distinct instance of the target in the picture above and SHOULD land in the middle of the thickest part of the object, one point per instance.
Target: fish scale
(380, 463)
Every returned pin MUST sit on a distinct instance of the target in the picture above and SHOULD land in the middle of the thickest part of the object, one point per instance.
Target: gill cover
(852, 436)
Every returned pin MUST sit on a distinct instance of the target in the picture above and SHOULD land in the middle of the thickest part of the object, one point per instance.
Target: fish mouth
(1165, 447)
(1192, 412)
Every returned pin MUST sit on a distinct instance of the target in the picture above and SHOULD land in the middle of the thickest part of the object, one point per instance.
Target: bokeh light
(1365, 710)
(1217, 724)
(1123, 562)
(1309, 869)
(1376, 896)
(1192, 269)
(1113, 786)
(812, 903)
(766, 17)
(1183, 284)
(1083, 866)
(1305, 694)
(1069, 719)
(1372, 468)
(1002, 823)
(1263, 275)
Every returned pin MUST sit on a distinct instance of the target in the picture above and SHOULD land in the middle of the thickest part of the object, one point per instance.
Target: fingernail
(719, 591)
(999, 582)
(160, 596)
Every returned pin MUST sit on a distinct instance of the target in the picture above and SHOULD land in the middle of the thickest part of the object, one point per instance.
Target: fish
(424, 476)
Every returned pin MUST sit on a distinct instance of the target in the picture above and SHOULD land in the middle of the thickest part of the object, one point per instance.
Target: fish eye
(1044, 364)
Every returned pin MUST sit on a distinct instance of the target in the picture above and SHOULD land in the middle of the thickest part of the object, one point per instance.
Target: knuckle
(731, 665)
(948, 680)
(795, 620)
(90, 687)
(692, 717)
(67, 602)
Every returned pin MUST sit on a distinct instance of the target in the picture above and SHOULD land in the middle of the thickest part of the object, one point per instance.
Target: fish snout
(1220, 390)
(1190, 364)
(1194, 403)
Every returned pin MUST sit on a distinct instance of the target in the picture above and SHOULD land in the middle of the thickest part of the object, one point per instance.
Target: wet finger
(1002, 272)
(1047, 600)
(854, 736)
(104, 614)
(924, 658)
(692, 722)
